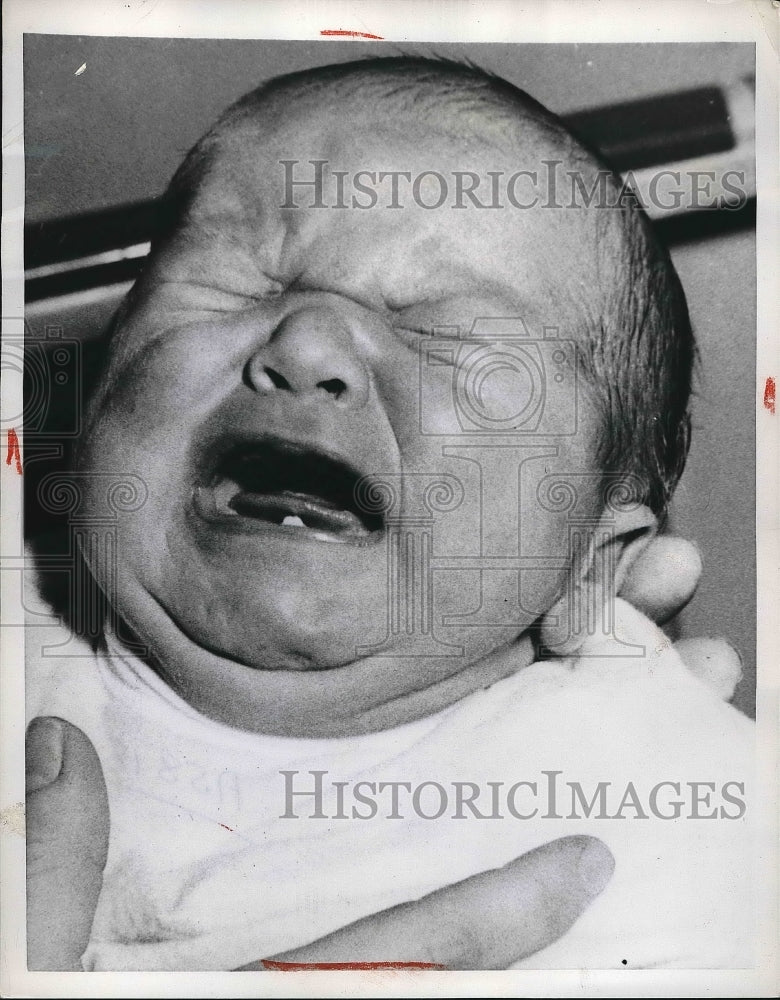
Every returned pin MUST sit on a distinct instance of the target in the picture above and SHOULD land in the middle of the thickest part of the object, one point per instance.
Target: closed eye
(449, 317)
(204, 297)
(420, 330)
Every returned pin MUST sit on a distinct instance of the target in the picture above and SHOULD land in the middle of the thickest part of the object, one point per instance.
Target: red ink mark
(341, 33)
(230, 828)
(273, 966)
(13, 451)
(769, 395)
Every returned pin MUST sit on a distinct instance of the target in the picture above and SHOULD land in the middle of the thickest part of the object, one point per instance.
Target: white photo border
(434, 22)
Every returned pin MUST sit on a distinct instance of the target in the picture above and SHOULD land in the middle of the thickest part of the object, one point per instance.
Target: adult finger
(664, 578)
(67, 842)
(488, 921)
(713, 661)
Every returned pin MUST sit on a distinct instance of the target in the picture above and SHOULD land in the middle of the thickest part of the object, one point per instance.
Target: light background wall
(115, 133)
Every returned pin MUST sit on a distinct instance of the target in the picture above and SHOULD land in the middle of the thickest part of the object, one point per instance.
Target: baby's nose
(312, 350)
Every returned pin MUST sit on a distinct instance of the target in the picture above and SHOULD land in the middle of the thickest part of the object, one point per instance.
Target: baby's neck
(406, 708)
(413, 705)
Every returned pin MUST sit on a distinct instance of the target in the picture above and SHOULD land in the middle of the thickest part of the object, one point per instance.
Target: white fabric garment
(205, 872)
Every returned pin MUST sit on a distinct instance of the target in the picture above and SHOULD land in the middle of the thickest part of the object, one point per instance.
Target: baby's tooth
(293, 520)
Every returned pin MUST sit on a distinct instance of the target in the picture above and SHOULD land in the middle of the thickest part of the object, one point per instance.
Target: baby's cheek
(168, 378)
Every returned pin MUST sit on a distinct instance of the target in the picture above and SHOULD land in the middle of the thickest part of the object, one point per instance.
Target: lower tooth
(294, 521)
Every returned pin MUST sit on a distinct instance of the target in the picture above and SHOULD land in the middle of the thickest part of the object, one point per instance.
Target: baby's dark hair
(636, 346)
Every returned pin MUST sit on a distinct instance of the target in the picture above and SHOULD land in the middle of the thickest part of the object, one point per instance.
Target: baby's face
(276, 356)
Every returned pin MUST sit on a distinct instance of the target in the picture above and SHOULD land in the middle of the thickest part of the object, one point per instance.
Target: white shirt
(209, 868)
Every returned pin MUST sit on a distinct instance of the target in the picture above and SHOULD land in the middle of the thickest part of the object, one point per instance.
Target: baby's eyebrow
(256, 250)
(453, 280)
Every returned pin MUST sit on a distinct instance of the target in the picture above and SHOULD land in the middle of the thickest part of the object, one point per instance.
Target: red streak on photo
(769, 395)
(13, 451)
(273, 966)
(342, 33)
(230, 828)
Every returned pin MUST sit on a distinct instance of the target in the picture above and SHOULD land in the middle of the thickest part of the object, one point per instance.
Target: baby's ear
(596, 575)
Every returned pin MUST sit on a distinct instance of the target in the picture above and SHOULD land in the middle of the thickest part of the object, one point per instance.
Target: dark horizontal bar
(657, 130)
(693, 226)
(82, 278)
(90, 233)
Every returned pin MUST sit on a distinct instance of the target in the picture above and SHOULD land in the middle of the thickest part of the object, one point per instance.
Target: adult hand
(488, 921)
(67, 842)
(660, 583)
(664, 577)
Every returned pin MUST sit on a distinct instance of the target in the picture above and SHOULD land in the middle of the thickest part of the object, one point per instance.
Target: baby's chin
(307, 683)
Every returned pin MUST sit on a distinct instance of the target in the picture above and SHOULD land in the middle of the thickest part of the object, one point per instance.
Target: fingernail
(44, 746)
(595, 867)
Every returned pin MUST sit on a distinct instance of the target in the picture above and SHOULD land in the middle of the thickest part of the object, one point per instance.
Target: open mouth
(272, 484)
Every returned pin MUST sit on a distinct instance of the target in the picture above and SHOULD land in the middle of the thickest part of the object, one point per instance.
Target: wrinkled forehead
(326, 194)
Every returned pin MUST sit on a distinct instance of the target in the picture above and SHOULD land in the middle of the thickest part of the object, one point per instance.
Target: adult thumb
(67, 842)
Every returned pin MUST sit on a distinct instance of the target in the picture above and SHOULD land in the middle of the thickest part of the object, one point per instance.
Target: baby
(393, 447)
